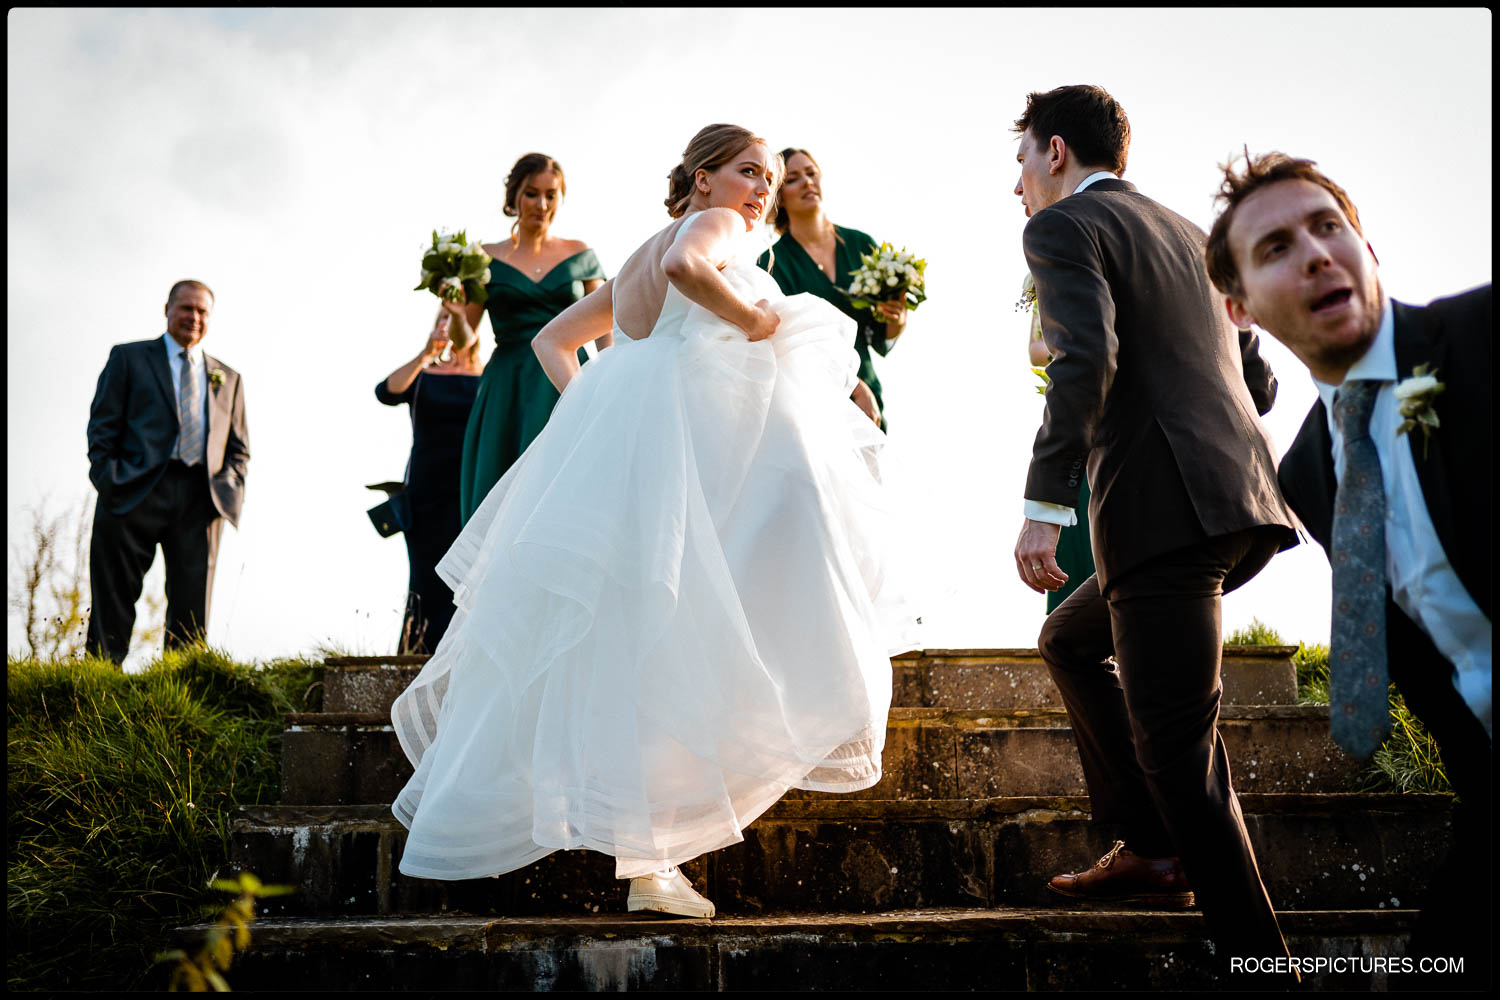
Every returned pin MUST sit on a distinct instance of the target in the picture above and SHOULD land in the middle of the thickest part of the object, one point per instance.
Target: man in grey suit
(1157, 395)
(168, 448)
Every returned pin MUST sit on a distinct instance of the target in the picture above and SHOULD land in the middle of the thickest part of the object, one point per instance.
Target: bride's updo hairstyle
(531, 163)
(710, 149)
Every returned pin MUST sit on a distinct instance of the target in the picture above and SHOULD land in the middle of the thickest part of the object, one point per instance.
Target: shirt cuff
(1051, 513)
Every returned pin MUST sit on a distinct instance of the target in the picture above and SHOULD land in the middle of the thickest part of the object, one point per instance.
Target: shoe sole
(666, 904)
(1147, 900)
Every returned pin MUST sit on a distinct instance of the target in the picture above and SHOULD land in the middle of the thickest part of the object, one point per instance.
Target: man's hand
(1036, 556)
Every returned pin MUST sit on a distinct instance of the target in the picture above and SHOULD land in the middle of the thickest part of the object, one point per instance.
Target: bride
(679, 603)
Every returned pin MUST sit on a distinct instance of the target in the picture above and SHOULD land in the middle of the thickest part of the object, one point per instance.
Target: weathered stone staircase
(933, 879)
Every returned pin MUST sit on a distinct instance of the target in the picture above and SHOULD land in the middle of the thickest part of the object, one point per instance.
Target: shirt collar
(1097, 175)
(1378, 364)
(174, 349)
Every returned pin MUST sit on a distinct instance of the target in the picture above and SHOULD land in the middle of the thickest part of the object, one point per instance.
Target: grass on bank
(119, 789)
(1408, 761)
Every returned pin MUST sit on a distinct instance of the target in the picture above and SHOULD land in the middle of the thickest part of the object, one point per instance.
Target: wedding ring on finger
(1036, 566)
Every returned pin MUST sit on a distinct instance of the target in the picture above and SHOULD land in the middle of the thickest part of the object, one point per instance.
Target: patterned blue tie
(189, 414)
(1359, 701)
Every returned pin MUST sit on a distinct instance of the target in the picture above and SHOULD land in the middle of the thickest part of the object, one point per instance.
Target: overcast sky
(297, 160)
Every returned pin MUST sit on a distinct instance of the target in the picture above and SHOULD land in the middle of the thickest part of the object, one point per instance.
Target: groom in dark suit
(1289, 255)
(1157, 395)
(168, 448)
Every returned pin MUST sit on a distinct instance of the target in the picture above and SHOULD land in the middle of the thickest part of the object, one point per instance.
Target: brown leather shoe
(1123, 877)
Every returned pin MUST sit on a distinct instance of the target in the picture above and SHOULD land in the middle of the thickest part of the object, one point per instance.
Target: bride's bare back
(640, 289)
(689, 254)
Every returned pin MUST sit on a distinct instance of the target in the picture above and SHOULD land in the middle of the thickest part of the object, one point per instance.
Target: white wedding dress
(678, 604)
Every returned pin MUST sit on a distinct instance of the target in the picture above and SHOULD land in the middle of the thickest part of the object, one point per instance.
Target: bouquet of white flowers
(888, 275)
(1028, 302)
(455, 269)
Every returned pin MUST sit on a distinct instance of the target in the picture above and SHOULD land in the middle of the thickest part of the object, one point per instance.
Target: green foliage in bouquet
(888, 275)
(455, 269)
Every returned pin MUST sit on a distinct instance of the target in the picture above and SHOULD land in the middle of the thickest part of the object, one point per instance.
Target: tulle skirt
(679, 603)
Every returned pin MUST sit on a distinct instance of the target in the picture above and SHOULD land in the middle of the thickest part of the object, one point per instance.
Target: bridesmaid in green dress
(1075, 553)
(534, 276)
(813, 255)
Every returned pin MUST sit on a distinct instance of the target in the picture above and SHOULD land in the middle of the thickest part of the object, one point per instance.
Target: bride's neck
(809, 227)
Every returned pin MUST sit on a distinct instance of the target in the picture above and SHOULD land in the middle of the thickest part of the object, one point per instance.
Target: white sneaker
(672, 893)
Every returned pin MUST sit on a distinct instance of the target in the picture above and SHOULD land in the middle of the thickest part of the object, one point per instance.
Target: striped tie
(189, 414)
(1359, 678)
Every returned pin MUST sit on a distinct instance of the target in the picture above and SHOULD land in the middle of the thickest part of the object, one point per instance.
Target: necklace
(516, 248)
(830, 238)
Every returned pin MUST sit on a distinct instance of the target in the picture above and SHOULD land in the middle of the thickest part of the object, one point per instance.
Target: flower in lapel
(216, 377)
(1414, 398)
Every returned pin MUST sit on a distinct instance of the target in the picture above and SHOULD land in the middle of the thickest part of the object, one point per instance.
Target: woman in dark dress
(813, 255)
(534, 276)
(1075, 553)
(439, 394)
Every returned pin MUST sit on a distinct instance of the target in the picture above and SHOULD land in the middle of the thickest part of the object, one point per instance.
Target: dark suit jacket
(133, 426)
(1455, 336)
(1151, 385)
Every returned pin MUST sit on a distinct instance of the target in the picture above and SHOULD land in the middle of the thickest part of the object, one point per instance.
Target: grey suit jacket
(133, 426)
(1148, 384)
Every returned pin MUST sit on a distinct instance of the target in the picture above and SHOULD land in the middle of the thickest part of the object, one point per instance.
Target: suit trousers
(1147, 733)
(179, 515)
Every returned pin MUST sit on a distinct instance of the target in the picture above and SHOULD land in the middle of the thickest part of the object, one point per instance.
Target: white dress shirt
(174, 359)
(1041, 510)
(1422, 579)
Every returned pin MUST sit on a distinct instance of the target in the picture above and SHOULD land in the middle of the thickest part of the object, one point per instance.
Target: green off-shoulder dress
(1075, 554)
(515, 397)
(795, 272)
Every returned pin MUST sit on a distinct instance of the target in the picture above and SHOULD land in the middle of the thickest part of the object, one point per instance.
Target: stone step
(840, 854)
(931, 753)
(910, 950)
(932, 678)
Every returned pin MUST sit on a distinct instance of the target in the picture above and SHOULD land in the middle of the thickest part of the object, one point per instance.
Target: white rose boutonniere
(216, 377)
(1414, 399)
